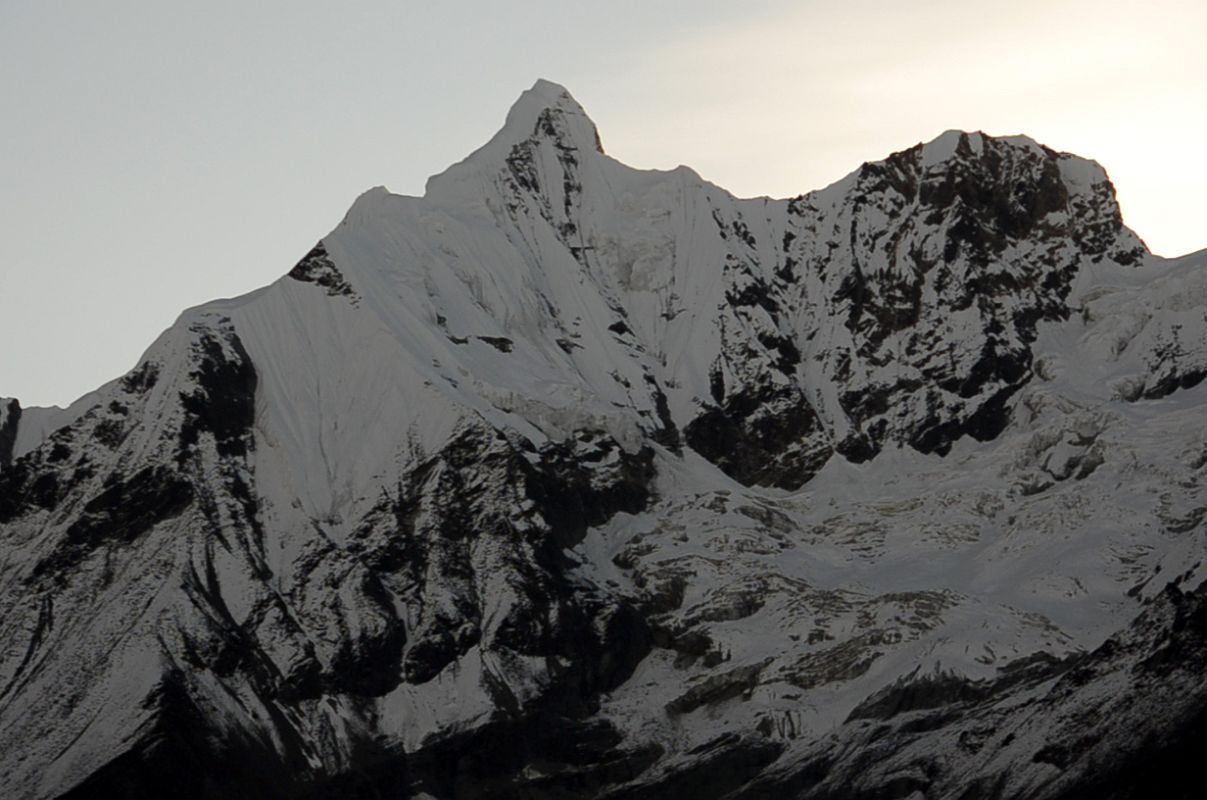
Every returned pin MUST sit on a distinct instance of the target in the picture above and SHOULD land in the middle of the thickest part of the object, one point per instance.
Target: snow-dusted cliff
(569, 479)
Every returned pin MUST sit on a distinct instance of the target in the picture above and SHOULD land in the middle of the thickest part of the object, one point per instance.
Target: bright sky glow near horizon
(154, 156)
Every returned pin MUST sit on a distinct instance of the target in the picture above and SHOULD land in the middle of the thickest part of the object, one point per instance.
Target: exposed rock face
(764, 436)
(570, 479)
(10, 417)
(316, 267)
(938, 264)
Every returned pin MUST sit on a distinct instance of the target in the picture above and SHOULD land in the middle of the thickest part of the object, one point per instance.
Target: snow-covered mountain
(569, 479)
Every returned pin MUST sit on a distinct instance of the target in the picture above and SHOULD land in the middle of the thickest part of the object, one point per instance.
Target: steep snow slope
(574, 478)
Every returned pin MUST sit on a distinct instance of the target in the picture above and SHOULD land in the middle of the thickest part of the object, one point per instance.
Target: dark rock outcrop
(317, 267)
(10, 418)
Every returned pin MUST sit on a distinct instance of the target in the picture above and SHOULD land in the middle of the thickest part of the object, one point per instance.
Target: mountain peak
(544, 95)
(945, 145)
(955, 142)
(553, 92)
(546, 111)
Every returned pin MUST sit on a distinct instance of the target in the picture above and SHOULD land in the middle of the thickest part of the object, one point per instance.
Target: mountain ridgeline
(568, 479)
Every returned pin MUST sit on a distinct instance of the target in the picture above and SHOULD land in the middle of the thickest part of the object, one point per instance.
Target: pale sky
(155, 155)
